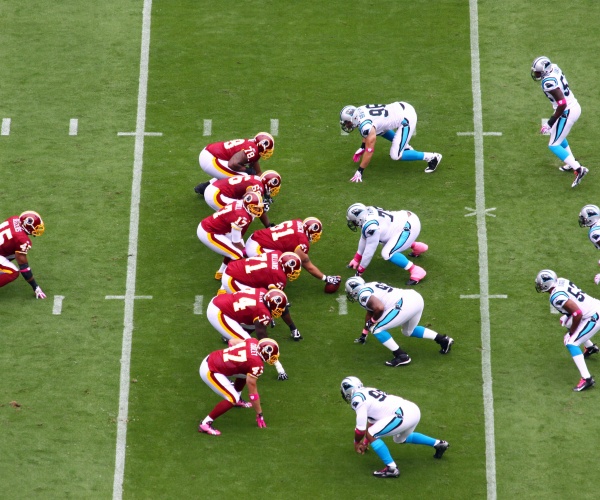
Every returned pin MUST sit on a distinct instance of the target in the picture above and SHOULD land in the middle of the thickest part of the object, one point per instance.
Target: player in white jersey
(397, 231)
(395, 122)
(590, 217)
(566, 113)
(581, 315)
(388, 307)
(378, 415)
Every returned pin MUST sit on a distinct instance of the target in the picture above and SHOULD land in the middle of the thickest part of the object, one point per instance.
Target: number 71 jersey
(566, 290)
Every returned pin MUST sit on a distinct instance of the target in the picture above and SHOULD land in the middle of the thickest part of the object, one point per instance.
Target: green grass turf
(242, 65)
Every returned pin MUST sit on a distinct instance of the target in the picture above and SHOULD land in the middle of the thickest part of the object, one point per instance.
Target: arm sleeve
(236, 234)
(369, 245)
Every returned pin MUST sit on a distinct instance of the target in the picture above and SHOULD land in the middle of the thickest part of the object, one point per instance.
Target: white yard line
(5, 130)
(134, 217)
(73, 125)
(484, 305)
(207, 128)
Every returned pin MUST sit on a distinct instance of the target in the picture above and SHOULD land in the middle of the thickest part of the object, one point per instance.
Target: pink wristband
(370, 150)
(577, 313)
(357, 257)
(254, 397)
(561, 102)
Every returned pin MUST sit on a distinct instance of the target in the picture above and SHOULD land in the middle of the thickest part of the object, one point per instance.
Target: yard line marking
(477, 296)
(274, 126)
(73, 123)
(5, 126)
(207, 127)
(474, 212)
(148, 134)
(496, 134)
(484, 305)
(123, 297)
(134, 217)
(552, 310)
(57, 307)
(343, 305)
(198, 304)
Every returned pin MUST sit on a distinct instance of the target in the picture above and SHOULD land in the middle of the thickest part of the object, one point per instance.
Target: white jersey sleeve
(557, 80)
(594, 235)
(567, 290)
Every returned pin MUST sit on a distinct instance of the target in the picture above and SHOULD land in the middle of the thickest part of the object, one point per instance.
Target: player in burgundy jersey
(244, 361)
(238, 156)
(14, 245)
(222, 192)
(222, 232)
(291, 236)
(234, 315)
(268, 270)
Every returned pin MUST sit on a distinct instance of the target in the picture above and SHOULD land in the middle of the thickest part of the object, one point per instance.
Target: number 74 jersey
(566, 290)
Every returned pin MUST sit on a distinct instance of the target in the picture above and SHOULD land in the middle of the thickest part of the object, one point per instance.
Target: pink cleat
(416, 274)
(418, 248)
(243, 404)
(208, 429)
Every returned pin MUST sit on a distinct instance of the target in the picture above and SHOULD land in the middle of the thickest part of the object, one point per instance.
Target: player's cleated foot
(208, 429)
(579, 174)
(432, 164)
(565, 168)
(446, 344)
(218, 276)
(418, 248)
(416, 274)
(296, 335)
(243, 404)
(200, 188)
(387, 472)
(593, 349)
(440, 449)
(403, 359)
(584, 383)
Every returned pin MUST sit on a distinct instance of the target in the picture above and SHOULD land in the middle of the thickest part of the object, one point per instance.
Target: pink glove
(354, 264)
(597, 279)
(357, 155)
(39, 294)
(357, 177)
(545, 130)
(260, 421)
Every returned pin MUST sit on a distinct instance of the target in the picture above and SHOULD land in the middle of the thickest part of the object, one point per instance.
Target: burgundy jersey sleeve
(13, 239)
(222, 221)
(241, 359)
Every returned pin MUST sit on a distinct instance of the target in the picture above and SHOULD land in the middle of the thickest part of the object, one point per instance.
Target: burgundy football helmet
(313, 228)
(265, 144)
(253, 203)
(291, 264)
(272, 182)
(268, 350)
(276, 301)
(32, 223)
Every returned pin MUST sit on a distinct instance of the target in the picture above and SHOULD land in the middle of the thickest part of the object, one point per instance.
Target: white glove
(566, 320)
(358, 154)
(39, 294)
(597, 279)
(545, 130)
(357, 177)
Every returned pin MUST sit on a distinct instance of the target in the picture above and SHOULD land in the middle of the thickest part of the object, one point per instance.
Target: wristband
(370, 150)
(358, 435)
(365, 331)
(357, 257)
(324, 278)
(362, 146)
(360, 170)
(576, 313)
(551, 121)
(259, 415)
(561, 102)
(254, 397)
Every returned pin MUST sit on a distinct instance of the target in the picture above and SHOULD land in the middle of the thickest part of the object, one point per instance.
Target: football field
(105, 107)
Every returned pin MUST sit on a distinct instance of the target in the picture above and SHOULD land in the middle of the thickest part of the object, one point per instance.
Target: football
(329, 288)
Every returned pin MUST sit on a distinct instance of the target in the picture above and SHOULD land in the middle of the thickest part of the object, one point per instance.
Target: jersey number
(281, 230)
(576, 292)
(240, 305)
(379, 395)
(5, 232)
(236, 353)
(377, 109)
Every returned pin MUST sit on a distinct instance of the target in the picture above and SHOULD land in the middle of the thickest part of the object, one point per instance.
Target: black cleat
(296, 335)
(402, 359)
(432, 164)
(584, 383)
(446, 344)
(387, 472)
(579, 174)
(200, 188)
(593, 349)
(440, 449)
